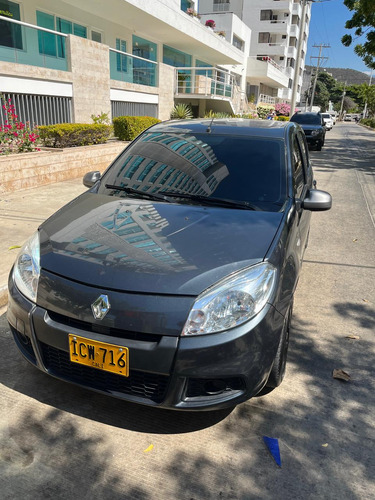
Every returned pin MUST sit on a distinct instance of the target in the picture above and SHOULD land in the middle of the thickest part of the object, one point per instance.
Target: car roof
(307, 113)
(227, 126)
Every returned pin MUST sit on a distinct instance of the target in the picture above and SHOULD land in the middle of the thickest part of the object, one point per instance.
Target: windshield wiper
(143, 194)
(219, 202)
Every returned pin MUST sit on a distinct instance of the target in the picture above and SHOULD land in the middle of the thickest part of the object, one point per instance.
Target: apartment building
(274, 24)
(62, 60)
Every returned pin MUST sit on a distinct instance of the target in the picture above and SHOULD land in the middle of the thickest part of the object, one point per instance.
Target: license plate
(100, 355)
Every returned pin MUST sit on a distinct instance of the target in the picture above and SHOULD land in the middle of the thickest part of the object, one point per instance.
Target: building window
(96, 36)
(290, 84)
(10, 34)
(221, 5)
(121, 60)
(53, 45)
(144, 73)
(265, 15)
(263, 38)
(238, 43)
(176, 58)
(186, 4)
(203, 72)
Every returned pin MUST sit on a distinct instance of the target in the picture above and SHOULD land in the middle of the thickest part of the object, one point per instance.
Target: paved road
(64, 442)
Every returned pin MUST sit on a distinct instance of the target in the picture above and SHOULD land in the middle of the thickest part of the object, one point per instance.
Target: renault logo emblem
(100, 307)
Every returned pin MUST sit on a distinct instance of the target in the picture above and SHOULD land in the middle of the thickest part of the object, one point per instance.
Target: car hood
(147, 247)
(308, 126)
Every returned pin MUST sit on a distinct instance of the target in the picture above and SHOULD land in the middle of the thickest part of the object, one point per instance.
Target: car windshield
(326, 115)
(306, 119)
(227, 167)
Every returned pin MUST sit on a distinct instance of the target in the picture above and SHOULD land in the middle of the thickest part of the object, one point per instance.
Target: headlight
(232, 301)
(27, 268)
(314, 132)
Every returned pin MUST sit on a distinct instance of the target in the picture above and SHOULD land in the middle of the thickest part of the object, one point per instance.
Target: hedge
(73, 134)
(370, 122)
(127, 128)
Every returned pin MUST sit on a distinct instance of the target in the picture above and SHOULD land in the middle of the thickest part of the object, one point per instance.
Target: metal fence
(120, 108)
(39, 109)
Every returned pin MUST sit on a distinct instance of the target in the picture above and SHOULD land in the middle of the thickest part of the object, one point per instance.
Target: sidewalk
(20, 215)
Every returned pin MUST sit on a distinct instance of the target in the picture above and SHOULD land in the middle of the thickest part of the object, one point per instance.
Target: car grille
(146, 385)
(102, 329)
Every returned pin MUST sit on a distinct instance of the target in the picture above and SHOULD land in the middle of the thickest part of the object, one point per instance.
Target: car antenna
(209, 127)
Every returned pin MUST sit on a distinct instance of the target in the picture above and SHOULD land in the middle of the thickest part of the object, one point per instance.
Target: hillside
(350, 76)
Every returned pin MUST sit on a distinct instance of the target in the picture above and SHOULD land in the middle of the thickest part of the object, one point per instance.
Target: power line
(319, 58)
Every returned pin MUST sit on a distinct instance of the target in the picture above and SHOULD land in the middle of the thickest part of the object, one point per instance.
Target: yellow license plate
(100, 355)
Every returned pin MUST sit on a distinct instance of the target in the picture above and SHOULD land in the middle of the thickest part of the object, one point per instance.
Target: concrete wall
(29, 170)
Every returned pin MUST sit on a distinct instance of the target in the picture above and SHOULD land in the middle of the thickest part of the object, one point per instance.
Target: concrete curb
(3, 296)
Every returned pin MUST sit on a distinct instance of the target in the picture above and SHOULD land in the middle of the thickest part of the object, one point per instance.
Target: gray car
(170, 282)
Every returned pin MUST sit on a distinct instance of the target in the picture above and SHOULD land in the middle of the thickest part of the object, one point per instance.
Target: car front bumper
(188, 373)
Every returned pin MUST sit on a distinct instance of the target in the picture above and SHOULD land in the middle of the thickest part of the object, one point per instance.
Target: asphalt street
(59, 441)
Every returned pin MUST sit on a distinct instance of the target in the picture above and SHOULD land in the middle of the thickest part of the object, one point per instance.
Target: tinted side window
(297, 164)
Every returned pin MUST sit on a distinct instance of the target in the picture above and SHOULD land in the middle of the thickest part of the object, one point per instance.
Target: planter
(27, 170)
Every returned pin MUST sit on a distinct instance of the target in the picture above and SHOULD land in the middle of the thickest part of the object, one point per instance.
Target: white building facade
(63, 61)
(274, 25)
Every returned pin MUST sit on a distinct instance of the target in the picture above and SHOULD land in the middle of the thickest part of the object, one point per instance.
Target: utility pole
(365, 108)
(302, 23)
(342, 102)
(320, 57)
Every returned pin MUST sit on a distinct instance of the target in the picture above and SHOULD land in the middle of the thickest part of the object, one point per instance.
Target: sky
(327, 26)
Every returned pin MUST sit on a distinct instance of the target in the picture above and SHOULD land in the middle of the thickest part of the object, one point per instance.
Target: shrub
(282, 118)
(282, 108)
(251, 116)
(370, 122)
(16, 136)
(102, 118)
(264, 109)
(65, 135)
(181, 112)
(210, 23)
(126, 128)
(217, 114)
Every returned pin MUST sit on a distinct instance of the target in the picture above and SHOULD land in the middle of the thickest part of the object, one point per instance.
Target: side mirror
(317, 200)
(90, 178)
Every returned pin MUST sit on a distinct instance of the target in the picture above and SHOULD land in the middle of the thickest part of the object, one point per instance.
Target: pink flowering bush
(16, 136)
(210, 23)
(282, 109)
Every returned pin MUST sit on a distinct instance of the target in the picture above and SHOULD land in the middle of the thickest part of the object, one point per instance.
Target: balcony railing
(126, 67)
(204, 81)
(268, 60)
(266, 99)
(25, 43)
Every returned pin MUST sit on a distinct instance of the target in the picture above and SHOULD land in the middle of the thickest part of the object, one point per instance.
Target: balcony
(209, 83)
(270, 49)
(297, 9)
(275, 27)
(284, 5)
(292, 52)
(24, 43)
(265, 71)
(294, 30)
(125, 67)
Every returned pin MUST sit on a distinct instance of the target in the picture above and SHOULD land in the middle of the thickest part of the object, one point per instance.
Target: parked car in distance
(313, 126)
(333, 116)
(347, 118)
(170, 282)
(328, 122)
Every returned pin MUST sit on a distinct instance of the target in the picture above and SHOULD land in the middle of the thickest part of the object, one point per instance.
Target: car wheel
(279, 365)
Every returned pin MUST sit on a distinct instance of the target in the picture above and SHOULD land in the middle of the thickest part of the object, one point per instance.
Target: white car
(328, 122)
(333, 116)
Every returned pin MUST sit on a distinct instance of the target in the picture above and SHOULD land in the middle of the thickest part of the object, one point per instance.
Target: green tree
(367, 93)
(321, 97)
(362, 20)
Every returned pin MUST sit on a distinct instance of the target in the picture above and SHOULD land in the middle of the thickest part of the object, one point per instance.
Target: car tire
(279, 365)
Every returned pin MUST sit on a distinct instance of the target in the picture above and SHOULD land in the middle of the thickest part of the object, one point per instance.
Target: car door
(302, 181)
(307, 179)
